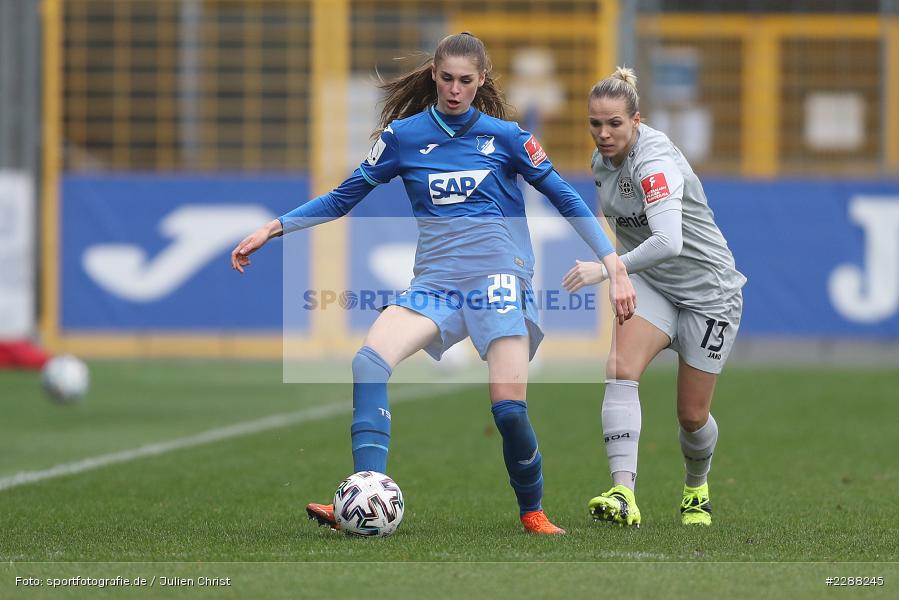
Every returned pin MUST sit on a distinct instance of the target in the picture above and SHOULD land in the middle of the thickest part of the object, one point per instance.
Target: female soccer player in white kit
(689, 293)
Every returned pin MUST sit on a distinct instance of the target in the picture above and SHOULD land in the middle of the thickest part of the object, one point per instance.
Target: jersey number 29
(503, 281)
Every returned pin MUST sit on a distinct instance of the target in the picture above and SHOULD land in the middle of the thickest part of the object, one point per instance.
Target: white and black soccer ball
(368, 504)
(65, 379)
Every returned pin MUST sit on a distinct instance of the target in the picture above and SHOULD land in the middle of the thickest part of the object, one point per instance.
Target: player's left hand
(582, 274)
(240, 256)
(622, 293)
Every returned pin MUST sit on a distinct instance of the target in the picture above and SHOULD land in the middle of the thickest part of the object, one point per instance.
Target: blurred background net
(747, 88)
(185, 85)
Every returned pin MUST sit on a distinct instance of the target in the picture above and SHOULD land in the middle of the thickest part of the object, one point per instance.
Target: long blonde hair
(412, 93)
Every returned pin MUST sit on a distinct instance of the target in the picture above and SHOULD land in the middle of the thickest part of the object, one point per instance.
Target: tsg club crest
(485, 144)
(626, 187)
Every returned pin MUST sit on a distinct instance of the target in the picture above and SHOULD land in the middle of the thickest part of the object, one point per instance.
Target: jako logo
(455, 187)
(198, 234)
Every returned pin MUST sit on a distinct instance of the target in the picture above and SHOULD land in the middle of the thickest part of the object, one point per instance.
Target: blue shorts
(483, 308)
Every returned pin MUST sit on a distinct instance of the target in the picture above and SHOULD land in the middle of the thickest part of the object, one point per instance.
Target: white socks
(621, 421)
(698, 447)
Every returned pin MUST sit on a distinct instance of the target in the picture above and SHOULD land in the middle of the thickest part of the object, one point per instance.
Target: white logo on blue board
(199, 234)
(485, 144)
(870, 293)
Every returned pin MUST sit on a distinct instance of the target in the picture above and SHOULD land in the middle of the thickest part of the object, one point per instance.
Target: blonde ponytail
(620, 84)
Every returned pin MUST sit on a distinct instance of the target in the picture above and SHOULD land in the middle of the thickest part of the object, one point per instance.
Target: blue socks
(370, 431)
(523, 460)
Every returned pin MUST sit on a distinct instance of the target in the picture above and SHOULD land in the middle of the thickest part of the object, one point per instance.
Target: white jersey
(655, 177)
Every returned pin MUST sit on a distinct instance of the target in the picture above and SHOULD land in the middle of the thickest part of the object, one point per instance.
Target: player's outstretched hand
(240, 256)
(582, 274)
(622, 293)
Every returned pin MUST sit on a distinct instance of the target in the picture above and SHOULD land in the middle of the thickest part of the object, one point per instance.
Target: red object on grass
(22, 354)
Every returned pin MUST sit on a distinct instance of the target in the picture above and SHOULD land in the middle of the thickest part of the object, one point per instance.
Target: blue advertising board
(151, 252)
(822, 257)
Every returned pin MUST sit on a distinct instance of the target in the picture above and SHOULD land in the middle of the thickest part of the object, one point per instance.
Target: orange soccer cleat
(537, 523)
(323, 514)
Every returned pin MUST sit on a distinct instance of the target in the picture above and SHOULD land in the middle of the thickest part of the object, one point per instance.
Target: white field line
(314, 413)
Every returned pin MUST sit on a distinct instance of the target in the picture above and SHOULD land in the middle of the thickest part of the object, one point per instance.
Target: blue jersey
(460, 174)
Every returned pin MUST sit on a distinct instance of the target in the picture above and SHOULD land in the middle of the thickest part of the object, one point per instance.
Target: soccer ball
(368, 504)
(65, 379)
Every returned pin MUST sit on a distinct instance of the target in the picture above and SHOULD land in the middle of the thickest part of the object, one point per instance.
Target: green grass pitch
(805, 484)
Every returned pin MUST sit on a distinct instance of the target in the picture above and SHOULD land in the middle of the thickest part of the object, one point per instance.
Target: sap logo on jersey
(455, 187)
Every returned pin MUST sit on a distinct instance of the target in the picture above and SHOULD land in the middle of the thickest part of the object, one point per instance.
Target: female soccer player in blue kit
(443, 133)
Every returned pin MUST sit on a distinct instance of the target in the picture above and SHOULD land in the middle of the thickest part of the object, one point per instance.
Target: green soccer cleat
(616, 506)
(696, 508)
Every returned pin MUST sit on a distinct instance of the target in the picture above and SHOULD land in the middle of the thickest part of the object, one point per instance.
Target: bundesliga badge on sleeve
(535, 151)
(655, 188)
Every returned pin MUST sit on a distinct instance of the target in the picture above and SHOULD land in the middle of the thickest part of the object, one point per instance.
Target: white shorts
(703, 339)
